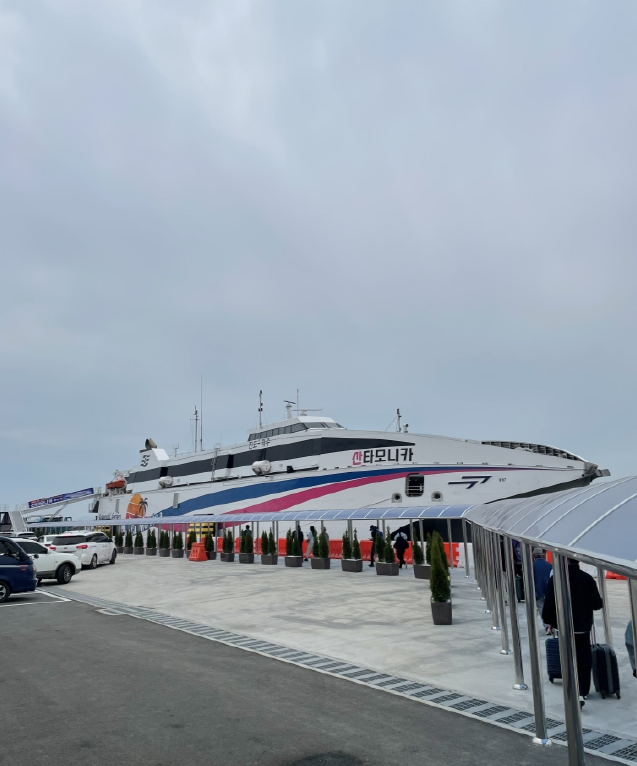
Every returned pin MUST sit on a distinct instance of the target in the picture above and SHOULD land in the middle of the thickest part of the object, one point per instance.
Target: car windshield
(31, 547)
(68, 540)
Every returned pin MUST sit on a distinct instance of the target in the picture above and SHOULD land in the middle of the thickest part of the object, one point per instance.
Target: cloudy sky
(428, 206)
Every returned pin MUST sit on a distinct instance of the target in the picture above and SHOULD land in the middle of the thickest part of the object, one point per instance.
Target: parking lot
(83, 687)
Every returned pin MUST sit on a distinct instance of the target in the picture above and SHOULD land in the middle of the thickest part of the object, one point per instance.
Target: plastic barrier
(613, 576)
(198, 552)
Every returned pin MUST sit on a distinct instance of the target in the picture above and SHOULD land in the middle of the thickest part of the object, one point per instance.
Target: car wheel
(5, 591)
(113, 556)
(64, 574)
(93, 564)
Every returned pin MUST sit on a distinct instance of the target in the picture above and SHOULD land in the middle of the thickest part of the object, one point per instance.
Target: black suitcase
(605, 672)
(553, 665)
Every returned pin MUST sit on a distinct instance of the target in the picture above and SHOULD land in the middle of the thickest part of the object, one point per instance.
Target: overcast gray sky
(428, 206)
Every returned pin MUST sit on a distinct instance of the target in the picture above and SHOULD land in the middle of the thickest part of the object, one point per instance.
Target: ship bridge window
(276, 431)
(414, 485)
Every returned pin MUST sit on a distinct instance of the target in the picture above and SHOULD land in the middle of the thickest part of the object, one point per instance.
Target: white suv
(92, 548)
(48, 564)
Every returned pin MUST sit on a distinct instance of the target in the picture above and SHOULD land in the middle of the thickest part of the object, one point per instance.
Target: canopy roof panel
(371, 514)
(598, 522)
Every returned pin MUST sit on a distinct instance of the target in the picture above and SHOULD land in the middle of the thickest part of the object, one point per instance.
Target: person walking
(585, 599)
(376, 534)
(310, 543)
(541, 575)
(400, 546)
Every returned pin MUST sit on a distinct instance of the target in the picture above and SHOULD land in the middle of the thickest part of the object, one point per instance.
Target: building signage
(44, 501)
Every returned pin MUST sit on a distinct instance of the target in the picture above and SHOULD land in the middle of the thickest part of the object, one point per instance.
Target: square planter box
(177, 554)
(294, 561)
(212, 555)
(320, 563)
(441, 612)
(128, 550)
(422, 571)
(164, 552)
(352, 565)
(270, 559)
(119, 548)
(227, 556)
(246, 558)
(138, 551)
(390, 570)
(151, 551)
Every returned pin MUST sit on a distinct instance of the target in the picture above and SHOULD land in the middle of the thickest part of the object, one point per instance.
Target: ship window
(314, 425)
(297, 427)
(414, 485)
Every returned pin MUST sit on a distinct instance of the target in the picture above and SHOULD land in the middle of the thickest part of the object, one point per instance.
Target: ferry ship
(310, 462)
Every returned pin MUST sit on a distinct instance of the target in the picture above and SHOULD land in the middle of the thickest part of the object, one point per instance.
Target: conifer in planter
(209, 544)
(178, 546)
(322, 561)
(119, 541)
(151, 544)
(192, 538)
(293, 557)
(351, 561)
(139, 544)
(421, 570)
(128, 544)
(228, 546)
(389, 565)
(164, 544)
(440, 587)
(247, 543)
(269, 553)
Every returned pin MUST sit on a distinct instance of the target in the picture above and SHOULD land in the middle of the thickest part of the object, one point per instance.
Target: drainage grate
(515, 717)
(467, 704)
(408, 688)
(551, 723)
(605, 739)
(346, 669)
(377, 677)
(357, 674)
(491, 711)
(629, 753)
(391, 681)
(428, 693)
(448, 698)
(562, 736)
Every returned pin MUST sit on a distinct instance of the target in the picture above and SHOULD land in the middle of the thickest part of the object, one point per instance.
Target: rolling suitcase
(605, 672)
(553, 665)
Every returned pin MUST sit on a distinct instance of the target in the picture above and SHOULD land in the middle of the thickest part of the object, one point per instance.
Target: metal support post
(450, 544)
(603, 591)
(492, 600)
(411, 540)
(467, 573)
(513, 614)
(541, 735)
(383, 522)
(570, 684)
(499, 584)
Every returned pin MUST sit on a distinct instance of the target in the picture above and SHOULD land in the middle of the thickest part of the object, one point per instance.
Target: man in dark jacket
(585, 599)
(375, 533)
(400, 546)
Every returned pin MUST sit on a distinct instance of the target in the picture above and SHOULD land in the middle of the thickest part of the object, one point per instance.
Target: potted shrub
(119, 541)
(389, 565)
(293, 557)
(151, 543)
(178, 546)
(209, 543)
(351, 561)
(421, 570)
(128, 543)
(228, 546)
(322, 561)
(164, 544)
(139, 544)
(192, 538)
(269, 554)
(439, 585)
(247, 543)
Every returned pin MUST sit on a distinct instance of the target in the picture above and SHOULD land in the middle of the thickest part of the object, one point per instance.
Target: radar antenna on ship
(299, 411)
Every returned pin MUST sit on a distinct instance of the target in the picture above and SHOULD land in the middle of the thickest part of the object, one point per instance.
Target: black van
(17, 574)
